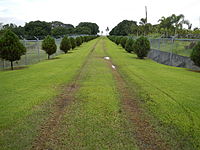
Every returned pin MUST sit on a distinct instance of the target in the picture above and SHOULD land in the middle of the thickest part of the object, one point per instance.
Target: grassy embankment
(170, 93)
(26, 95)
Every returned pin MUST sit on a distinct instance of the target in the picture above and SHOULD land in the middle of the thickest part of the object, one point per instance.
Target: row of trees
(57, 29)
(140, 46)
(167, 26)
(11, 49)
(49, 45)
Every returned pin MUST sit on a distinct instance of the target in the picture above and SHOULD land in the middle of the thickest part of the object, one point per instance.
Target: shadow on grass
(197, 71)
(15, 68)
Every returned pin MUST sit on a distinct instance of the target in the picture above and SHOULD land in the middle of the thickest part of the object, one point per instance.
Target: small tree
(65, 44)
(123, 41)
(11, 48)
(129, 45)
(73, 42)
(141, 47)
(118, 39)
(195, 55)
(78, 41)
(49, 45)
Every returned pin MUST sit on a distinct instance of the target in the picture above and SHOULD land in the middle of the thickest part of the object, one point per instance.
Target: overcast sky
(103, 12)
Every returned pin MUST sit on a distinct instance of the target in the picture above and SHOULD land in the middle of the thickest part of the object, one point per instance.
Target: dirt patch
(49, 128)
(197, 71)
(147, 138)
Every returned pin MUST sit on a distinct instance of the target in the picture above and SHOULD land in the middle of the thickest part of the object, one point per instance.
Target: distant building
(56, 24)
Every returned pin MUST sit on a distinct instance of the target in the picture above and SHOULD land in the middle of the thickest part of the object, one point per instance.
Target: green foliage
(73, 42)
(10, 47)
(37, 28)
(195, 55)
(118, 40)
(18, 30)
(141, 47)
(60, 31)
(78, 41)
(129, 45)
(49, 45)
(94, 28)
(82, 30)
(123, 41)
(124, 28)
(65, 44)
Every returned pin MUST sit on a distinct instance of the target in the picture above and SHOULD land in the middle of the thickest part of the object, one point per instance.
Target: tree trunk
(48, 56)
(11, 63)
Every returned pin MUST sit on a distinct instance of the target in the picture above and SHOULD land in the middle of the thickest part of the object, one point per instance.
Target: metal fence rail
(181, 47)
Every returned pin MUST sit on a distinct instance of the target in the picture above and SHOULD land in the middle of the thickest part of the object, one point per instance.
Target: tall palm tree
(177, 21)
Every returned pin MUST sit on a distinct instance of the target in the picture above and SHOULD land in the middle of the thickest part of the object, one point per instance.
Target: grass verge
(26, 95)
(171, 94)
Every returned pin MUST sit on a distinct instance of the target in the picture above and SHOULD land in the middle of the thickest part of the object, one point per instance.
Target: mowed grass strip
(171, 94)
(26, 95)
(95, 120)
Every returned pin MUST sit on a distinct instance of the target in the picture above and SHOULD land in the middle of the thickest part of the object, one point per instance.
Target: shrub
(11, 48)
(82, 39)
(118, 39)
(141, 47)
(123, 41)
(65, 44)
(129, 45)
(78, 41)
(195, 55)
(73, 42)
(49, 45)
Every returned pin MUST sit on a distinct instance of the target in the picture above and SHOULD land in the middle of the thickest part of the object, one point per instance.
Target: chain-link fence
(181, 47)
(33, 55)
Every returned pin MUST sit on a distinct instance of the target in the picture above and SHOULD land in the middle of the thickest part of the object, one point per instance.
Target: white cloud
(104, 13)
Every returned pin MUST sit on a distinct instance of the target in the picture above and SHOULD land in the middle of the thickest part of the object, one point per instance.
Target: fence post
(4, 64)
(25, 53)
(172, 42)
(38, 49)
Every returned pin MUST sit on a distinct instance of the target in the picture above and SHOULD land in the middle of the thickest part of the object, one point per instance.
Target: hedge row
(140, 46)
(11, 49)
(49, 46)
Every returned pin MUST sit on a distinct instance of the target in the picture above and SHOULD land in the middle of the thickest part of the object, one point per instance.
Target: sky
(106, 13)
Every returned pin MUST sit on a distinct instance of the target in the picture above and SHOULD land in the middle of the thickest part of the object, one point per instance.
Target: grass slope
(26, 95)
(170, 93)
(95, 120)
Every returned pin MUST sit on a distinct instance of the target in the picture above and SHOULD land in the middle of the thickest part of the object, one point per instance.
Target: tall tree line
(40, 29)
(174, 25)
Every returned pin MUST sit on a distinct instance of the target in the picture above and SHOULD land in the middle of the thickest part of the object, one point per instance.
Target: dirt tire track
(146, 135)
(47, 130)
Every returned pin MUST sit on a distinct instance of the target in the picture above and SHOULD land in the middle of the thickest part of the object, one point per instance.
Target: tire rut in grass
(145, 133)
(47, 130)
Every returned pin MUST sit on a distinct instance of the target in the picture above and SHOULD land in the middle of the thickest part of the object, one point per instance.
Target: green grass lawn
(171, 94)
(26, 95)
(94, 120)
